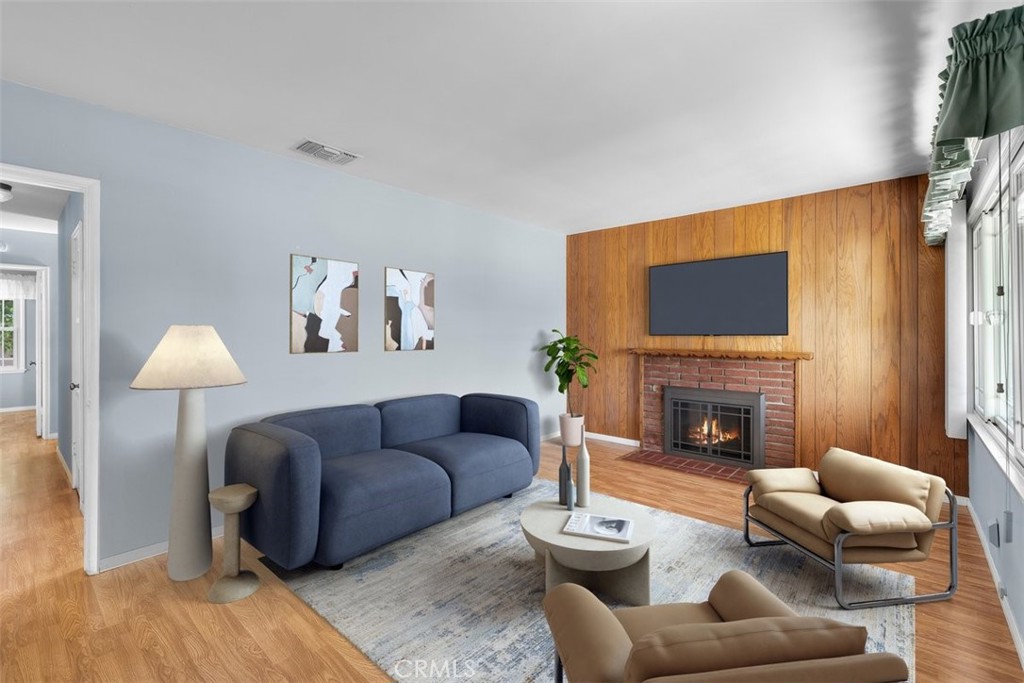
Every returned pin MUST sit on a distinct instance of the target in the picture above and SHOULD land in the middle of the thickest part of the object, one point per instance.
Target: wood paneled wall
(866, 298)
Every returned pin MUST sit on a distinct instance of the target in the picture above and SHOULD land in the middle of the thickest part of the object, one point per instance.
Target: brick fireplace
(776, 378)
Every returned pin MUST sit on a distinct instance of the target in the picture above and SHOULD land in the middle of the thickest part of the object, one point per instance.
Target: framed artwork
(408, 310)
(325, 305)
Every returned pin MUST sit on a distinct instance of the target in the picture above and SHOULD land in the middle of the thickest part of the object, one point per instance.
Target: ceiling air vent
(325, 153)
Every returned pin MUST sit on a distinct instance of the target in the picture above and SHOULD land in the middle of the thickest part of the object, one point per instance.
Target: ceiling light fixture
(6, 192)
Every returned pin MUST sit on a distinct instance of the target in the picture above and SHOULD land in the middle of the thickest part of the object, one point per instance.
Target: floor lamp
(189, 358)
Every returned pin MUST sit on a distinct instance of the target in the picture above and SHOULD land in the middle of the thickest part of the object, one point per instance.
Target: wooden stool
(233, 585)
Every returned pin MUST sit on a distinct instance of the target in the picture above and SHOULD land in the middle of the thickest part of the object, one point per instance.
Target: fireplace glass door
(727, 431)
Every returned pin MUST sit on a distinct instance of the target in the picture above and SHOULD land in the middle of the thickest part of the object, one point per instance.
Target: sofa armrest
(285, 467)
(793, 479)
(692, 648)
(872, 667)
(590, 641)
(870, 517)
(738, 595)
(508, 416)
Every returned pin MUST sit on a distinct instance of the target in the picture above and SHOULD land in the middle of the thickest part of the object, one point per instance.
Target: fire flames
(712, 434)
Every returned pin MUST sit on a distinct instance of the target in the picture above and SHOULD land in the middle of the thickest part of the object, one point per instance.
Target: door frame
(89, 486)
(42, 345)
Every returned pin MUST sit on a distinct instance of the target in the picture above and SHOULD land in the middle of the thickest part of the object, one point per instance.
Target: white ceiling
(571, 115)
(32, 208)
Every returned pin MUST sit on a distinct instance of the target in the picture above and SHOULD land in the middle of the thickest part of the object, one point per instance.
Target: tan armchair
(856, 510)
(743, 633)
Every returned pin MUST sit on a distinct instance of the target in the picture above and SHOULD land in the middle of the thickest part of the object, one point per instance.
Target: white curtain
(15, 285)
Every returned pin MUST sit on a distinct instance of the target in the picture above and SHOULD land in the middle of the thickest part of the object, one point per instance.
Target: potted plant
(571, 360)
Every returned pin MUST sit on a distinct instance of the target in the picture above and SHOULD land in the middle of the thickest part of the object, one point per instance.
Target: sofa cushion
(404, 420)
(797, 479)
(805, 510)
(847, 476)
(339, 430)
(691, 648)
(368, 499)
(481, 467)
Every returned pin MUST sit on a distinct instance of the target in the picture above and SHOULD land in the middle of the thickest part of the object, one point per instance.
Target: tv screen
(744, 295)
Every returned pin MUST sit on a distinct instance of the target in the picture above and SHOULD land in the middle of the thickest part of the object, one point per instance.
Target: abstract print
(408, 310)
(325, 305)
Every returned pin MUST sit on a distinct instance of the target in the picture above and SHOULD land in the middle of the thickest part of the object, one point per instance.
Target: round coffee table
(620, 570)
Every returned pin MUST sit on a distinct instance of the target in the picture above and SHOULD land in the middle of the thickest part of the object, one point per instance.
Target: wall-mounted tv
(743, 295)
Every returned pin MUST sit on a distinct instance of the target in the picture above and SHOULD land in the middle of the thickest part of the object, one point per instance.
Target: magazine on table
(599, 526)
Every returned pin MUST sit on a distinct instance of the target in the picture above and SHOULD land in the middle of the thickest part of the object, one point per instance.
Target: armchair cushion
(805, 510)
(691, 648)
(795, 479)
(876, 667)
(871, 517)
(847, 476)
(738, 595)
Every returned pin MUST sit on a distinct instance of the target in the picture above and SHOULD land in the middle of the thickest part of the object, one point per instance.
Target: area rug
(462, 599)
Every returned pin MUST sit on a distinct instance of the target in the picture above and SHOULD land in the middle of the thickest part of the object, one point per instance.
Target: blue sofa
(337, 482)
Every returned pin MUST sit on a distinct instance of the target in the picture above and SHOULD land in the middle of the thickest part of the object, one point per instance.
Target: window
(997, 313)
(12, 335)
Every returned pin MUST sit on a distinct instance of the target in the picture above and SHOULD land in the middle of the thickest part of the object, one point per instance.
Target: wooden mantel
(717, 353)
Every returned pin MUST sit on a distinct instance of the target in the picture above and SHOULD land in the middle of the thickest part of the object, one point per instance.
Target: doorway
(87, 288)
(31, 284)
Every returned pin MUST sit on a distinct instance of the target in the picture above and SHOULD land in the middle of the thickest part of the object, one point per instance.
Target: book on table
(599, 526)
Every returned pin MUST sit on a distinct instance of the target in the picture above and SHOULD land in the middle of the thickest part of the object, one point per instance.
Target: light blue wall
(66, 224)
(989, 500)
(34, 249)
(199, 230)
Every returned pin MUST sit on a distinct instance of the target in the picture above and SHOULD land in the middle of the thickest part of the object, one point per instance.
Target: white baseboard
(1018, 641)
(51, 437)
(144, 553)
(64, 466)
(17, 409)
(613, 439)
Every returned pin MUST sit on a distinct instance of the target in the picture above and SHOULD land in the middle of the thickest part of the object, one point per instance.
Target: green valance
(982, 94)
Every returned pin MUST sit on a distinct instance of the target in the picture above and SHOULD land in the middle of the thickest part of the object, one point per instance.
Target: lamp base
(190, 543)
(231, 588)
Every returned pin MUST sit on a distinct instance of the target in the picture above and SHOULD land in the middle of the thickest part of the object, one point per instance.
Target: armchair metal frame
(837, 565)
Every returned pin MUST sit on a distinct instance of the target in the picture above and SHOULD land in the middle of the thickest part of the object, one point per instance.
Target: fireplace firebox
(725, 427)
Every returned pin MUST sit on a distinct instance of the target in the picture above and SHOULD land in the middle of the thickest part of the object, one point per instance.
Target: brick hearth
(775, 378)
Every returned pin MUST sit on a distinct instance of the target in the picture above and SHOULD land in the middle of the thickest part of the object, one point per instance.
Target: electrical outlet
(994, 537)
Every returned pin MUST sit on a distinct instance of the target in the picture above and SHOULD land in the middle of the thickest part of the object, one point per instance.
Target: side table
(233, 584)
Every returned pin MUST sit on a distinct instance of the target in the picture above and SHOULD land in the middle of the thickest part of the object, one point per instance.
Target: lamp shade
(189, 357)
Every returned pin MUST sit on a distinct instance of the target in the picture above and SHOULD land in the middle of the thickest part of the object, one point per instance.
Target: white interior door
(77, 416)
(38, 355)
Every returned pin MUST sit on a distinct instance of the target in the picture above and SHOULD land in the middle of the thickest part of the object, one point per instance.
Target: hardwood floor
(134, 624)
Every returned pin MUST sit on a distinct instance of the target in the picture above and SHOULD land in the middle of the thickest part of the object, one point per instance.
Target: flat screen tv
(744, 295)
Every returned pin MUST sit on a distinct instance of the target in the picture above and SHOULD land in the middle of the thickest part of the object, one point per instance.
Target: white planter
(572, 428)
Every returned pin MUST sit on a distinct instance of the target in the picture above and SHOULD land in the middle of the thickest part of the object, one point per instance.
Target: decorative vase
(563, 479)
(570, 426)
(583, 472)
(570, 493)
